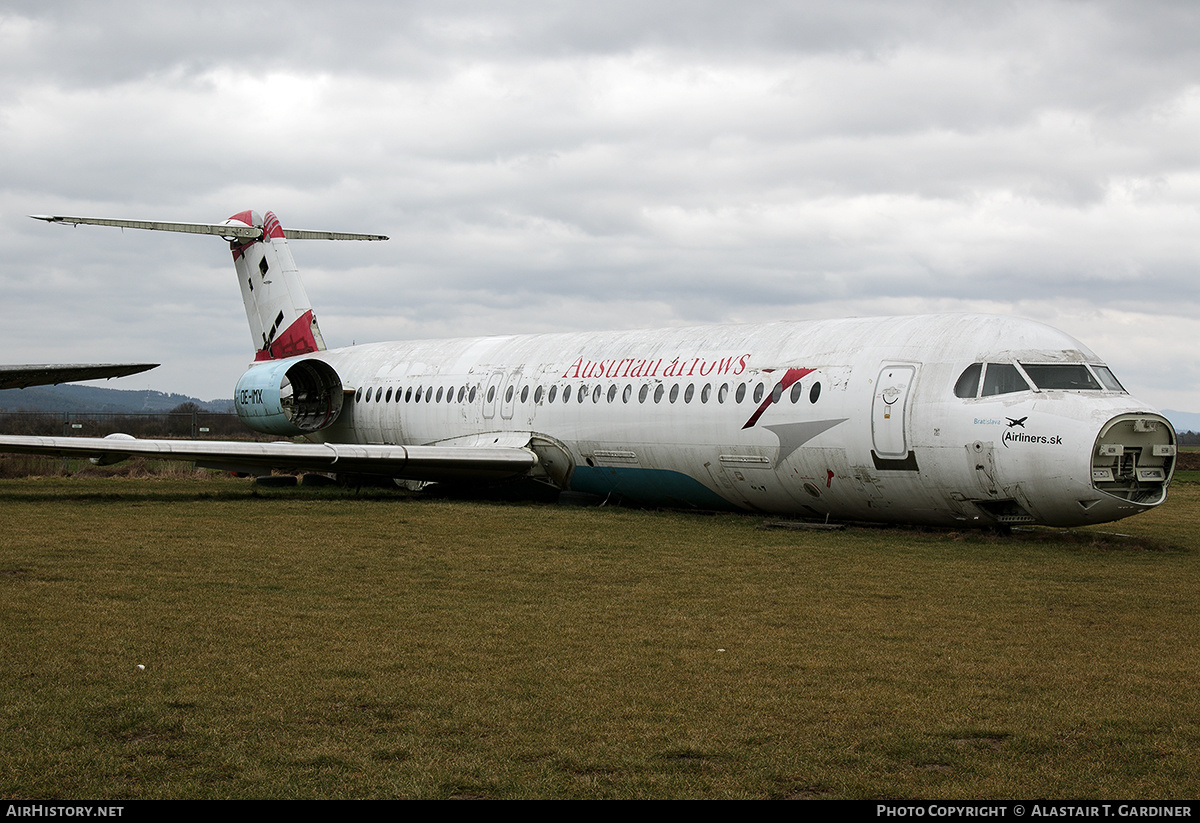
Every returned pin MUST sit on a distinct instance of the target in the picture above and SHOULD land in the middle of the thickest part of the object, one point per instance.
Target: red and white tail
(282, 323)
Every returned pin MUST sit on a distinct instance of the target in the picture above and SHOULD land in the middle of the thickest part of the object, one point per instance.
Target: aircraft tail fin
(282, 322)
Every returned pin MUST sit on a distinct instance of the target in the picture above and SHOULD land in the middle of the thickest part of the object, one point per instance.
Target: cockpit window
(1106, 377)
(1002, 378)
(968, 381)
(1072, 377)
(1006, 378)
(1061, 376)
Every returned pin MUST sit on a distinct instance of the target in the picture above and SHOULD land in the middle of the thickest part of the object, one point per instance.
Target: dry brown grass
(327, 644)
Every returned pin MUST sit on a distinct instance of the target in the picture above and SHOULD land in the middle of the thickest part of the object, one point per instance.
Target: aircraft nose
(1134, 457)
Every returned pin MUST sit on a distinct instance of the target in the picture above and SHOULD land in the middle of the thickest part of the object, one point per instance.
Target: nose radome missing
(1134, 458)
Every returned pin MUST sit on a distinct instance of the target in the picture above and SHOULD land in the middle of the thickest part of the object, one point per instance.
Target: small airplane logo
(1012, 422)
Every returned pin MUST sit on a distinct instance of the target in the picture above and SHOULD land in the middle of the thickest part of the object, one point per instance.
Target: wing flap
(428, 463)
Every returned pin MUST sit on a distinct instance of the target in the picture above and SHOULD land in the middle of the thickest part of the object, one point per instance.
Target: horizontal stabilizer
(228, 231)
(427, 463)
(307, 234)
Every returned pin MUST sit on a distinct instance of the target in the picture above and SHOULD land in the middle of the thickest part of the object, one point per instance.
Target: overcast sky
(556, 166)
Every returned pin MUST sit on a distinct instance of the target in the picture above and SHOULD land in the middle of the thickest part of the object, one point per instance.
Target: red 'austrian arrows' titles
(651, 367)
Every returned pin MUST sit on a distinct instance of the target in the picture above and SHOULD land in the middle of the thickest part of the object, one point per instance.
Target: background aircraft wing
(20, 377)
(430, 463)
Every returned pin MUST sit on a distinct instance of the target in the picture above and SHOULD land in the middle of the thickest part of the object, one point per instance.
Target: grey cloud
(549, 166)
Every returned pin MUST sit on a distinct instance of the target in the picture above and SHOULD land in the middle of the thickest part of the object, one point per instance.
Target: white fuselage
(952, 419)
(850, 419)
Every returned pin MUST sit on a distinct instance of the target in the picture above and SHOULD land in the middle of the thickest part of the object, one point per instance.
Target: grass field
(302, 643)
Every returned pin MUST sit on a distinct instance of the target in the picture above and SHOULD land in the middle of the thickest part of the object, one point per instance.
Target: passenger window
(723, 393)
(1002, 378)
(740, 395)
(658, 393)
(688, 393)
(758, 393)
(524, 394)
(777, 393)
(643, 392)
(566, 393)
(537, 395)
(628, 393)
(553, 393)
(797, 389)
(706, 392)
(674, 392)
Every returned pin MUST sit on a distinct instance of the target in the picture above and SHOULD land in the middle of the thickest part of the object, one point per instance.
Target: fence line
(196, 425)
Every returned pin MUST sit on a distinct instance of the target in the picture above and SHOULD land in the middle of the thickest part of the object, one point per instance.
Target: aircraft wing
(429, 463)
(20, 377)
